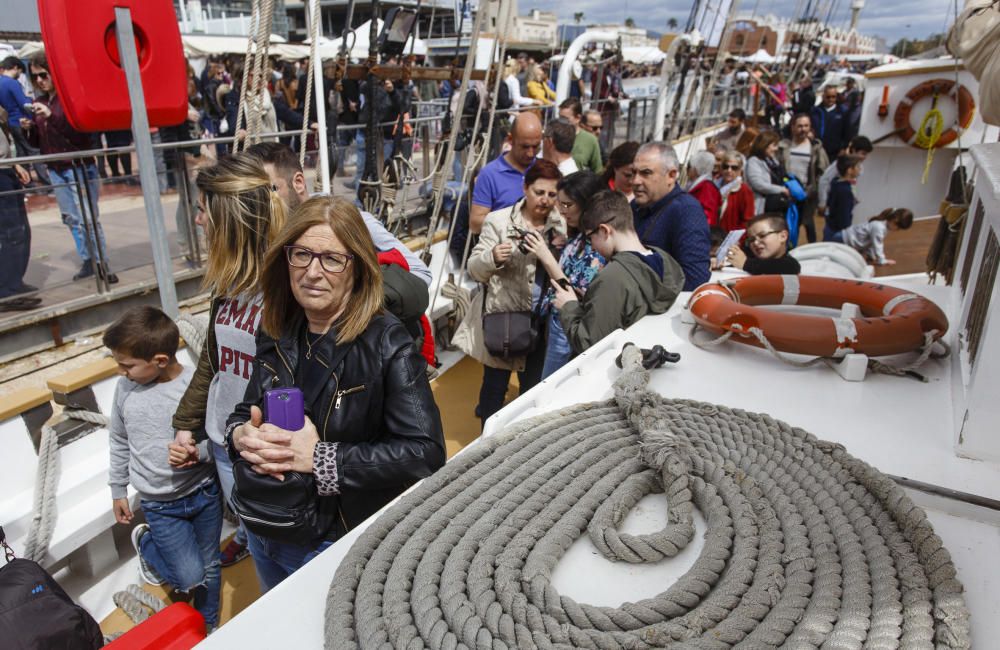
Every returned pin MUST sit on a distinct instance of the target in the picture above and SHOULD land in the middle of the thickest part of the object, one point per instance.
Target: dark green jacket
(623, 292)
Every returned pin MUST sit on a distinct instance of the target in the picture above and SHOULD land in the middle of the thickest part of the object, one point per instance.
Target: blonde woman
(514, 86)
(538, 89)
(240, 212)
(373, 429)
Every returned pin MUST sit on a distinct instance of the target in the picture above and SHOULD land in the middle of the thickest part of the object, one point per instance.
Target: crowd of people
(318, 310)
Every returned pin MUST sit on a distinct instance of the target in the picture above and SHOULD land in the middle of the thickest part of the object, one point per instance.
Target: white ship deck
(899, 425)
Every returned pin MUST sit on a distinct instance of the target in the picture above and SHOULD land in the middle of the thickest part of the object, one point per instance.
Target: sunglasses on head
(40, 75)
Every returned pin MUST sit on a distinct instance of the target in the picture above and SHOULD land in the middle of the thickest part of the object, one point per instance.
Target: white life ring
(832, 260)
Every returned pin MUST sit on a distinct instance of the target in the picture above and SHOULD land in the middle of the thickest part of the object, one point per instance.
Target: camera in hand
(518, 234)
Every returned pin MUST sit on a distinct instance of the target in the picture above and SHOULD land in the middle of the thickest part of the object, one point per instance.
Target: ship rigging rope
(805, 544)
(314, 31)
(254, 66)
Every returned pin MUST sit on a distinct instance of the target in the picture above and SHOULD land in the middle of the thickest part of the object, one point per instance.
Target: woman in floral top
(578, 264)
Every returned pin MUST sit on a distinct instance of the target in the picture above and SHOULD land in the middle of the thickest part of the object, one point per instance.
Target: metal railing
(635, 122)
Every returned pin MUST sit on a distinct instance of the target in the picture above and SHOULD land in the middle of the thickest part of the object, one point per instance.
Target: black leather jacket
(377, 404)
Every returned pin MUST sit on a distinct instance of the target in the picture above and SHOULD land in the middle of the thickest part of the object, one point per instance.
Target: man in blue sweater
(668, 217)
(13, 99)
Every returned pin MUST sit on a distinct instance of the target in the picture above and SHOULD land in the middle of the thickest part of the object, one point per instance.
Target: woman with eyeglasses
(577, 266)
(371, 429)
(240, 212)
(737, 197)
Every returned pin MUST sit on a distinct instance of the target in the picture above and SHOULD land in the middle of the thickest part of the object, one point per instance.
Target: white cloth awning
(642, 54)
(196, 45)
(760, 56)
(358, 42)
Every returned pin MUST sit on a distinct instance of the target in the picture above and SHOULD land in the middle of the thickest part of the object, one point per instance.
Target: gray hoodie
(623, 292)
(140, 431)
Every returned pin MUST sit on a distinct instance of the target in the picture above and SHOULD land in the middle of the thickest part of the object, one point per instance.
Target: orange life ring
(940, 87)
(892, 320)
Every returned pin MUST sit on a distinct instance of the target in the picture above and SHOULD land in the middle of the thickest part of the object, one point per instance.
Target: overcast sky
(890, 19)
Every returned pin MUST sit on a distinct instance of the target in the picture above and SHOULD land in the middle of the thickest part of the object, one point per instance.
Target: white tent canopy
(642, 54)
(358, 42)
(204, 44)
(760, 56)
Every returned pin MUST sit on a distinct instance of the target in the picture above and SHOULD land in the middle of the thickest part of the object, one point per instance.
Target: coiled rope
(929, 133)
(806, 545)
(137, 603)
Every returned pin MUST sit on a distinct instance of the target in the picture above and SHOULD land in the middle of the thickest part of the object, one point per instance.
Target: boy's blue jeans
(557, 350)
(183, 545)
(276, 560)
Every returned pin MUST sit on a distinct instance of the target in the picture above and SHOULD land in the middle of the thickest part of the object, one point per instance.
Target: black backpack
(36, 614)
(504, 100)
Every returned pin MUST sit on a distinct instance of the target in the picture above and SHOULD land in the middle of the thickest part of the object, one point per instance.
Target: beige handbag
(975, 38)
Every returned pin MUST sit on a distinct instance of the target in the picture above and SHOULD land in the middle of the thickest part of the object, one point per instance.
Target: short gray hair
(703, 162)
(732, 155)
(663, 151)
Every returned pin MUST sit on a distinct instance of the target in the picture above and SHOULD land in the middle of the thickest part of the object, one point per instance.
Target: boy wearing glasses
(636, 281)
(767, 240)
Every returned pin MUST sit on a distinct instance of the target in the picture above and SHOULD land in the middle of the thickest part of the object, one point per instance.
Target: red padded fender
(82, 50)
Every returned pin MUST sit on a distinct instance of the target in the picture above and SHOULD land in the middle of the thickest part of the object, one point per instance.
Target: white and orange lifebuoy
(892, 321)
(935, 88)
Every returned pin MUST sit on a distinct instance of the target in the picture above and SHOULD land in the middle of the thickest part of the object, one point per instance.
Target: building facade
(777, 36)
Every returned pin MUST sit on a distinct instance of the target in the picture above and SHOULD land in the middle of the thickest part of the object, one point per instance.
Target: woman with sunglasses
(372, 428)
(737, 197)
(52, 133)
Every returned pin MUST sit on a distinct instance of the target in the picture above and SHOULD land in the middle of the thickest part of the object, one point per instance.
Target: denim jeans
(833, 235)
(557, 351)
(183, 546)
(224, 467)
(15, 236)
(275, 560)
(65, 188)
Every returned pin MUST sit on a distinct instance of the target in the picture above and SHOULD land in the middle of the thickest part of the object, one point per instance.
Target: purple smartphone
(284, 407)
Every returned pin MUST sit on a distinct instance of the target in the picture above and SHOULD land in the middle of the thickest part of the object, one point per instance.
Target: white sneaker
(146, 570)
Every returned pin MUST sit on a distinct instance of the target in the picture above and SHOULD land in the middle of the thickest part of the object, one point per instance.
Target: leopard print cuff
(325, 468)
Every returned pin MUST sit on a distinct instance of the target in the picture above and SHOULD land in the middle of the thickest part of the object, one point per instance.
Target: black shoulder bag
(776, 203)
(509, 334)
(289, 510)
(36, 613)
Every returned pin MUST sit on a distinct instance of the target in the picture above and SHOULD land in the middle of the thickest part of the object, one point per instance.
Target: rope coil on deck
(806, 545)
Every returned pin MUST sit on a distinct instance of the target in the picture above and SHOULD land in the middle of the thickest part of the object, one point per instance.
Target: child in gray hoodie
(636, 281)
(179, 544)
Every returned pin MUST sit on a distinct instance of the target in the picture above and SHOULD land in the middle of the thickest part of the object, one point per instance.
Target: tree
(908, 47)
(672, 23)
(578, 17)
(629, 22)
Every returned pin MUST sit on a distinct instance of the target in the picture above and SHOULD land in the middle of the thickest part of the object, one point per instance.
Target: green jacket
(587, 152)
(190, 413)
(623, 292)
